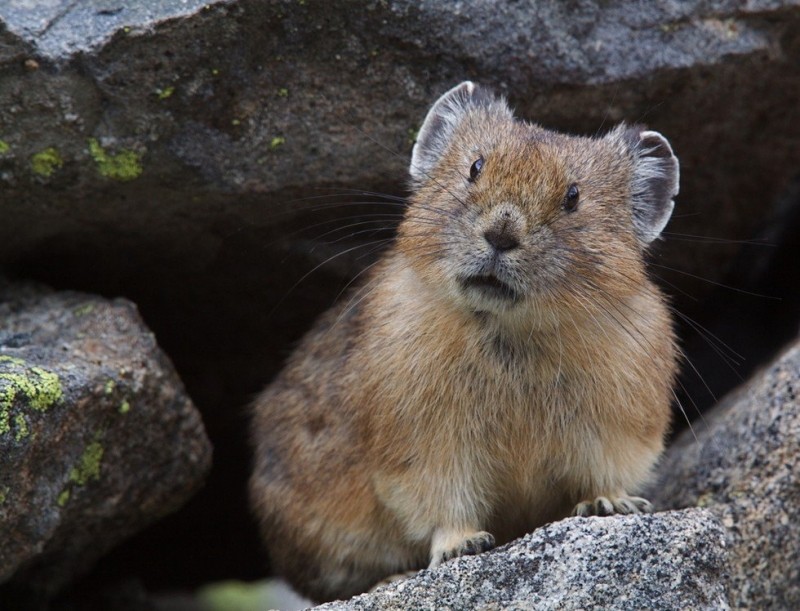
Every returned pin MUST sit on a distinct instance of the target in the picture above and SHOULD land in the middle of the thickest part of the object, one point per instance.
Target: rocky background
(217, 164)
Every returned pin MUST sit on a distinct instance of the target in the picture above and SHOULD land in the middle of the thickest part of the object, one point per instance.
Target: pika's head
(506, 216)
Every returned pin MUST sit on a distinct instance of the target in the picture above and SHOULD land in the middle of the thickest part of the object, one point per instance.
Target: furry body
(507, 360)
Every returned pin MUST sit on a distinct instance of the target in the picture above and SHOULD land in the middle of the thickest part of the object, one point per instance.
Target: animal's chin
(489, 288)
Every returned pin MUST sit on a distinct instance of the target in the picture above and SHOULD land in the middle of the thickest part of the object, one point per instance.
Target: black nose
(501, 240)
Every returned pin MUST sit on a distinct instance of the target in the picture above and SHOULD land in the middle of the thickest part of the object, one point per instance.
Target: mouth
(490, 286)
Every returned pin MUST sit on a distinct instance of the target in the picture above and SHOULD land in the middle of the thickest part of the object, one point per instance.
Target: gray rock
(672, 560)
(266, 101)
(97, 435)
(744, 466)
(192, 156)
(59, 29)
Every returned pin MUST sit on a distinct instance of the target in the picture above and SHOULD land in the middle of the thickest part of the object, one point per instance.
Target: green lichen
(125, 165)
(12, 360)
(276, 142)
(228, 595)
(124, 407)
(84, 309)
(235, 122)
(705, 500)
(283, 92)
(40, 389)
(165, 93)
(109, 387)
(63, 497)
(3, 495)
(4, 147)
(88, 467)
(22, 427)
(45, 162)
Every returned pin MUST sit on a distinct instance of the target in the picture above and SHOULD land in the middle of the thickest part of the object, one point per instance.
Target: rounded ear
(442, 120)
(656, 176)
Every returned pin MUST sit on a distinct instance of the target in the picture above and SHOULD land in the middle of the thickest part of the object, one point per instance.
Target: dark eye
(571, 198)
(476, 168)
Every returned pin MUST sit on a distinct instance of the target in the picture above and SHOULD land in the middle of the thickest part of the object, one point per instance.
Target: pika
(507, 361)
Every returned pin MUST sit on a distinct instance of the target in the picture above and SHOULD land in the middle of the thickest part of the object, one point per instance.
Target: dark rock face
(665, 561)
(199, 158)
(98, 439)
(744, 467)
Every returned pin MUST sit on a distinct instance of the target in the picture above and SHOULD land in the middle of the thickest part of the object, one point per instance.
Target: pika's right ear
(441, 122)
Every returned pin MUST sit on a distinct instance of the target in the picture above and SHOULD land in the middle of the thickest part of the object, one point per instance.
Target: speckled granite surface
(744, 466)
(671, 560)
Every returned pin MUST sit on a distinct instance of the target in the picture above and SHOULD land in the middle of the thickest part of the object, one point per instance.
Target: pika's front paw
(608, 506)
(453, 547)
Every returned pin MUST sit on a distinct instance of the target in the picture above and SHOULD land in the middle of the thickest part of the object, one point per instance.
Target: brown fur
(416, 414)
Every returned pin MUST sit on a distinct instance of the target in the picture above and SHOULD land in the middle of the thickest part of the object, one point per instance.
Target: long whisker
(314, 269)
(426, 174)
(612, 302)
(688, 237)
(727, 353)
(719, 284)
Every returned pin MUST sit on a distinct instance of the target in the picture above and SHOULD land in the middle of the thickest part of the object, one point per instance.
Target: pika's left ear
(656, 175)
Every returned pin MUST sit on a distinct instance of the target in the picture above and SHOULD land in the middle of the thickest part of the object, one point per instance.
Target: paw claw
(582, 509)
(470, 546)
(643, 505)
(603, 507)
(614, 505)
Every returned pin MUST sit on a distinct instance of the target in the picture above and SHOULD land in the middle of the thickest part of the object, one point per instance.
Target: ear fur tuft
(656, 177)
(442, 120)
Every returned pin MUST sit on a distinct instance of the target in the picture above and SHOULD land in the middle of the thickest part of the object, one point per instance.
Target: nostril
(501, 240)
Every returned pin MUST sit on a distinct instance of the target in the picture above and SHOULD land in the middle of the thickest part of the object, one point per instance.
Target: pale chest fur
(503, 420)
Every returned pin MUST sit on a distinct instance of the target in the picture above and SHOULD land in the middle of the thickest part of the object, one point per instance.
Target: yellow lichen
(88, 467)
(46, 162)
(22, 427)
(123, 166)
(63, 497)
(84, 309)
(165, 93)
(23, 385)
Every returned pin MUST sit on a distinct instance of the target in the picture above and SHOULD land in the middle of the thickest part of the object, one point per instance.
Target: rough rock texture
(744, 466)
(672, 560)
(97, 435)
(197, 158)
